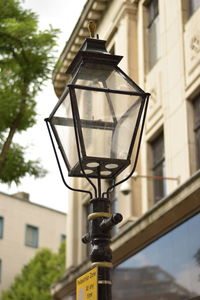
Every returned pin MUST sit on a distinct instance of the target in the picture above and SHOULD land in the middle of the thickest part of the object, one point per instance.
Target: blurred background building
(156, 248)
(25, 227)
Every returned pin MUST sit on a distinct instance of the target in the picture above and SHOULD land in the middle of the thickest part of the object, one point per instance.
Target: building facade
(156, 249)
(25, 227)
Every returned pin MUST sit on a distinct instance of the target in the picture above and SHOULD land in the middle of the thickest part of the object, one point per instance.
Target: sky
(50, 190)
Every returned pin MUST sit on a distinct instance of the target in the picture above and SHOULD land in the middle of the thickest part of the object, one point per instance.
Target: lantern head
(98, 117)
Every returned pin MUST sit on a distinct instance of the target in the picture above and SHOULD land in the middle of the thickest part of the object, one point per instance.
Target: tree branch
(13, 129)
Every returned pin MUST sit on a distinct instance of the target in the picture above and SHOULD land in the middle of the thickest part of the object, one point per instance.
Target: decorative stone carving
(192, 51)
(195, 45)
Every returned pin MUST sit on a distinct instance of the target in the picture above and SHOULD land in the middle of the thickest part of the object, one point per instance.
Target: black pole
(101, 222)
(101, 254)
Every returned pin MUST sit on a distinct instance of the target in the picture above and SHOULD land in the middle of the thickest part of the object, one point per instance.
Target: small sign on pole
(87, 286)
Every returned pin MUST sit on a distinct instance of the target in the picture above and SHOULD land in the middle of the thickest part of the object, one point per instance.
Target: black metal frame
(137, 152)
(59, 165)
(104, 194)
(77, 170)
(101, 220)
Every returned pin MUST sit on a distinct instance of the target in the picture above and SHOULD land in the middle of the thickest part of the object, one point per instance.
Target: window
(193, 6)
(0, 269)
(196, 107)
(62, 237)
(31, 236)
(153, 32)
(1, 227)
(167, 269)
(158, 163)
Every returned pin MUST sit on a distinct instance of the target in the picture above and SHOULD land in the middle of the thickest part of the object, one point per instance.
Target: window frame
(157, 163)
(28, 243)
(151, 242)
(196, 129)
(63, 237)
(152, 23)
(1, 227)
(1, 270)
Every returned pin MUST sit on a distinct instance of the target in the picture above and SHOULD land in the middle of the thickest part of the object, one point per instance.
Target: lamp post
(97, 123)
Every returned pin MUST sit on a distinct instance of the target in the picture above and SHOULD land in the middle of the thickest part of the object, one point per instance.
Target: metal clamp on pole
(108, 224)
(86, 238)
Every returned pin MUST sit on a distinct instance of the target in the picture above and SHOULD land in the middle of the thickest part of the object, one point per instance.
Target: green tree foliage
(36, 278)
(26, 61)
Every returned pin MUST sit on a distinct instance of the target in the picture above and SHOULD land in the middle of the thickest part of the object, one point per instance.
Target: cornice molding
(127, 8)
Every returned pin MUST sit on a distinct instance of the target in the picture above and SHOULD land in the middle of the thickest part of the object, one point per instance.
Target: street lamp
(97, 123)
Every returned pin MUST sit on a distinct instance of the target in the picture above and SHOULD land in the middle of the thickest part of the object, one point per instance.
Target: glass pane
(196, 108)
(158, 185)
(31, 236)
(154, 42)
(167, 269)
(158, 164)
(127, 110)
(158, 150)
(196, 105)
(1, 227)
(197, 136)
(104, 76)
(97, 142)
(153, 10)
(63, 124)
(63, 237)
(108, 121)
(194, 5)
(0, 269)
